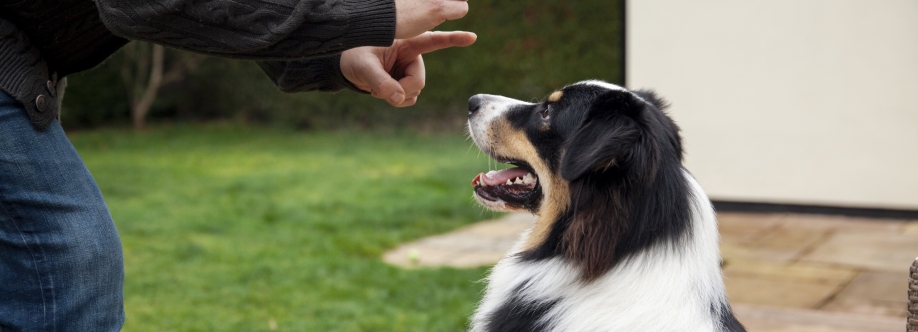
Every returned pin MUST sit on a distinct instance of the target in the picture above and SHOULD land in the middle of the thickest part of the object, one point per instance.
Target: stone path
(783, 272)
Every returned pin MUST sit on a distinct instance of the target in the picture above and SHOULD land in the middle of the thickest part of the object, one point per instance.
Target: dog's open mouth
(516, 186)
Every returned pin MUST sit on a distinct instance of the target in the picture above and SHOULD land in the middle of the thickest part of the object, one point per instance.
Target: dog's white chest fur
(660, 289)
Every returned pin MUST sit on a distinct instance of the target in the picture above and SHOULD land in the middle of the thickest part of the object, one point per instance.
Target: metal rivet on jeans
(41, 102)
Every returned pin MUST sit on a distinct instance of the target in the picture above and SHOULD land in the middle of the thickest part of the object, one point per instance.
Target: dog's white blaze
(660, 289)
(492, 107)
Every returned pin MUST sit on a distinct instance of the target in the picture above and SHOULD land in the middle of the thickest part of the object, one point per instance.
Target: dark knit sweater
(299, 41)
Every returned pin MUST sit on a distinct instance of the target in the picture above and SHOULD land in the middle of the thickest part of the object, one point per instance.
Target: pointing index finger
(436, 40)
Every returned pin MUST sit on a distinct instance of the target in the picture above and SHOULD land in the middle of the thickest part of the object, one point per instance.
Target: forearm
(321, 74)
(254, 29)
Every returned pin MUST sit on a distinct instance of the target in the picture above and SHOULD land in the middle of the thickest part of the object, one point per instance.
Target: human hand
(414, 17)
(396, 73)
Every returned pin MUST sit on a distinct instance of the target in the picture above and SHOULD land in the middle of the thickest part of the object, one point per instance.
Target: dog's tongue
(494, 178)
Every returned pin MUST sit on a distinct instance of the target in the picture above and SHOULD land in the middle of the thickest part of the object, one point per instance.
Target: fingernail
(396, 97)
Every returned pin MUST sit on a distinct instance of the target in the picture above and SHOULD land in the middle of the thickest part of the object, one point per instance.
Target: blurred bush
(525, 50)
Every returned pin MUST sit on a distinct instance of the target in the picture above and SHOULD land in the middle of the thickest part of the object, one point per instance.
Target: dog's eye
(546, 113)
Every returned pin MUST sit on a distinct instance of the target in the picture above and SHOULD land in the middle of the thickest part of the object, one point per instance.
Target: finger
(382, 85)
(454, 10)
(435, 40)
(415, 77)
(408, 102)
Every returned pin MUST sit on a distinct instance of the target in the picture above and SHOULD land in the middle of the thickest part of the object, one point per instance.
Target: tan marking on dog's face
(513, 143)
(555, 96)
(555, 201)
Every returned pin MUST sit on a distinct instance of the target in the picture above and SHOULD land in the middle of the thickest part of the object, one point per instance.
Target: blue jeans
(61, 266)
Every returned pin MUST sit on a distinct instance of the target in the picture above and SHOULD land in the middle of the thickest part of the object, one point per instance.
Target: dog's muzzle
(511, 188)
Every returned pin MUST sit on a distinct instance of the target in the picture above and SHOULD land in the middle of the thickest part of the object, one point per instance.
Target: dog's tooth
(528, 178)
(518, 181)
(508, 182)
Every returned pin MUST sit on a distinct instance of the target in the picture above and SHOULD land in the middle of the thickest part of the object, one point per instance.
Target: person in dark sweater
(61, 264)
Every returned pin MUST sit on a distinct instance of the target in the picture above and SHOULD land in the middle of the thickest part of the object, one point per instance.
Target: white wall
(787, 101)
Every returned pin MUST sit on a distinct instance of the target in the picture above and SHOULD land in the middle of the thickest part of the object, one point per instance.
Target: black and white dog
(625, 240)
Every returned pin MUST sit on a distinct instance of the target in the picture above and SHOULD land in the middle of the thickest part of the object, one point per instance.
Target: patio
(783, 272)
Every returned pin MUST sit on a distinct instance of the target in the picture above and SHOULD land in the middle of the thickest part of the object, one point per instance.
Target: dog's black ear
(607, 137)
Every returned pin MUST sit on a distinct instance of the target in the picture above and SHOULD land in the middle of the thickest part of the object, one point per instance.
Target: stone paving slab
(883, 251)
(480, 244)
(911, 228)
(742, 228)
(841, 223)
(873, 293)
(777, 319)
(782, 244)
(798, 286)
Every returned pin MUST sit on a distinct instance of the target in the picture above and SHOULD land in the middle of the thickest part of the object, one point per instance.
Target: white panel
(803, 101)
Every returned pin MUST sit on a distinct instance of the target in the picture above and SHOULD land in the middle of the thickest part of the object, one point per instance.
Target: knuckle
(438, 6)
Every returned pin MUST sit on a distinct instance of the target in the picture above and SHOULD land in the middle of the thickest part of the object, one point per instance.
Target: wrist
(370, 23)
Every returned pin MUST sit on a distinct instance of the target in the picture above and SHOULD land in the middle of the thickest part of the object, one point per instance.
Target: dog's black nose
(474, 104)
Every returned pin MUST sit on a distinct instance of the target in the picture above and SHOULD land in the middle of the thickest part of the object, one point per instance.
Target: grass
(238, 228)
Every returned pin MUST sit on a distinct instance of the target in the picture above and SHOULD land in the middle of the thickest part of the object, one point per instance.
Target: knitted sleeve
(254, 29)
(322, 74)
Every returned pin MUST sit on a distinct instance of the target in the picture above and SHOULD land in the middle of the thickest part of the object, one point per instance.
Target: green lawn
(230, 228)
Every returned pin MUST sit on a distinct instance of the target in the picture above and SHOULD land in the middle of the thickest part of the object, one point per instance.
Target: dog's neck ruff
(667, 287)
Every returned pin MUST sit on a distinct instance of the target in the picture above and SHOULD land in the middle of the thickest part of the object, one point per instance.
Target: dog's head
(586, 129)
(586, 158)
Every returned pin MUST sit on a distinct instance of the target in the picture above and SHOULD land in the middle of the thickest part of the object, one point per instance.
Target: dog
(625, 239)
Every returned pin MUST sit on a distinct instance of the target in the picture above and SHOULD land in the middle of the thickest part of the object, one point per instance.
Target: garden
(242, 208)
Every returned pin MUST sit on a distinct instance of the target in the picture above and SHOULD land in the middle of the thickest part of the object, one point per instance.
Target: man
(61, 265)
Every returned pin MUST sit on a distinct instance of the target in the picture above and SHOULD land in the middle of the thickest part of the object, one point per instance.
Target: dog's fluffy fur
(626, 240)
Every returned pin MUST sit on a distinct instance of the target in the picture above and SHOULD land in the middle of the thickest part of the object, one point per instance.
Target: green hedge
(525, 50)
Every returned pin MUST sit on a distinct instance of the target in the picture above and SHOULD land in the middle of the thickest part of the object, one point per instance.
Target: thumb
(383, 86)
